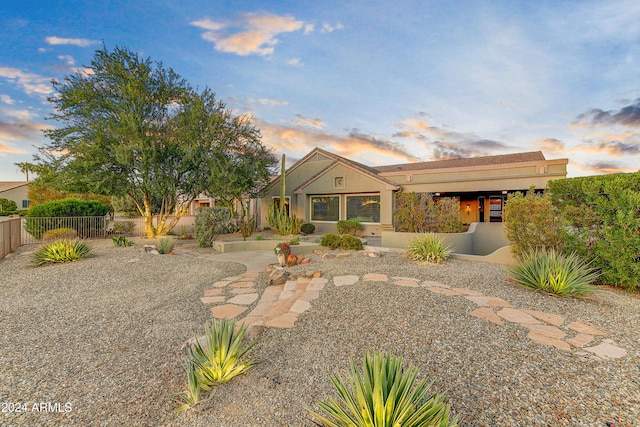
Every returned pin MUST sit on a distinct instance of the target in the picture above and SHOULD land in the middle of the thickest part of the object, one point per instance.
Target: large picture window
(325, 208)
(365, 208)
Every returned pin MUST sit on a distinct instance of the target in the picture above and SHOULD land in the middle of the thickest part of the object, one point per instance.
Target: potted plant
(282, 250)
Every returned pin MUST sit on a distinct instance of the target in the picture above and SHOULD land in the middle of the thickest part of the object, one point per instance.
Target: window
(325, 208)
(25, 204)
(364, 208)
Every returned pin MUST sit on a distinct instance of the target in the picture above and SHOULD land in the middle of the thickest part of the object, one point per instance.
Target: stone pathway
(280, 306)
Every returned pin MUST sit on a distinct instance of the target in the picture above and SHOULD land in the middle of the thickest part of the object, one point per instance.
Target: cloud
(29, 82)
(4, 149)
(446, 144)
(7, 99)
(295, 62)
(20, 130)
(53, 40)
(615, 148)
(297, 141)
(602, 167)
(309, 122)
(627, 116)
(328, 28)
(550, 146)
(251, 33)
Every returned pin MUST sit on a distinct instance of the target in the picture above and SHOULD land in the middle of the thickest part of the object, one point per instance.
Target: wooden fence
(10, 235)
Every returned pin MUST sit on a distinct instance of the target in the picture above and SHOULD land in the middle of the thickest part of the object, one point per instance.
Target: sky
(376, 81)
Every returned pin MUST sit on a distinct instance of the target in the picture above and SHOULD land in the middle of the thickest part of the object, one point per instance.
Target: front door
(495, 209)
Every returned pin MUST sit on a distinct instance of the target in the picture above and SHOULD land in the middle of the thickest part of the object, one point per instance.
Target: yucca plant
(121, 241)
(553, 272)
(384, 395)
(428, 247)
(61, 251)
(191, 396)
(222, 355)
(165, 245)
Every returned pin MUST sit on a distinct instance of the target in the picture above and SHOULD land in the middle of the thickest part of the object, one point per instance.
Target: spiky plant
(165, 245)
(222, 355)
(384, 395)
(191, 395)
(61, 251)
(121, 241)
(428, 247)
(553, 272)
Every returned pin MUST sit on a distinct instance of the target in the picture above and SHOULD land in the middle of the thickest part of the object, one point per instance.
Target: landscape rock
(278, 277)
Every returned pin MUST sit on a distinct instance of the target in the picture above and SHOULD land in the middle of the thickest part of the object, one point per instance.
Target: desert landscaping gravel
(98, 341)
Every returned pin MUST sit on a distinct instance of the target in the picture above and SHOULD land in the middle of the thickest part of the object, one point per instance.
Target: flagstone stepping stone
(487, 313)
(443, 291)
(237, 291)
(375, 277)
(300, 306)
(580, 340)
(273, 291)
(212, 299)
(345, 280)
(318, 281)
(251, 274)
(585, 328)
(517, 316)
(470, 292)
(407, 283)
(553, 319)
(432, 284)
(232, 278)
(546, 340)
(242, 285)
(243, 299)
(291, 285)
(212, 292)
(607, 350)
(221, 283)
(310, 295)
(548, 330)
(484, 301)
(284, 321)
(227, 311)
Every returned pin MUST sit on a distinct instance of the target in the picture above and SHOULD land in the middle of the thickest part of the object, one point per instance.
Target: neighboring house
(16, 191)
(323, 187)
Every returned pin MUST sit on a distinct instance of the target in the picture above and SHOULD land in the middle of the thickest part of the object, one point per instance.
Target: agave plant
(428, 247)
(61, 251)
(222, 355)
(384, 395)
(191, 396)
(551, 271)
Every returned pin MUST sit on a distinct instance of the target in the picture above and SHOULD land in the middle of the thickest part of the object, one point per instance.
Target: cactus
(277, 216)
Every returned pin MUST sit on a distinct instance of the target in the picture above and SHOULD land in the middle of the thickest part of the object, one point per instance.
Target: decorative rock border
(280, 305)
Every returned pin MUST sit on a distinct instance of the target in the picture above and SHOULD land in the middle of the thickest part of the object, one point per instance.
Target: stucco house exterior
(323, 187)
(16, 191)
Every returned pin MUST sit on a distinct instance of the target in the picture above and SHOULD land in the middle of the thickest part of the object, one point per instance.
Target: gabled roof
(365, 170)
(10, 185)
(532, 156)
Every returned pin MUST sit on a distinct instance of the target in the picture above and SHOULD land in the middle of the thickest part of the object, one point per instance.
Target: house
(16, 191)
(323, 187)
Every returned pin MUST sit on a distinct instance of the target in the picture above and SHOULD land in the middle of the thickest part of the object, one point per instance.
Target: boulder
(278, 277)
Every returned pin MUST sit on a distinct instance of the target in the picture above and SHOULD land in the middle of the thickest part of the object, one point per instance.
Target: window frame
(346, 212)
(311, 210)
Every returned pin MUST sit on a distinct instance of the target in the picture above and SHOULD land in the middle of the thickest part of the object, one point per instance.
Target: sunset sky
(379, 82)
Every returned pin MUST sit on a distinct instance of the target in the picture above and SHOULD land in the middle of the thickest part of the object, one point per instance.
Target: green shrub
(61, 251)
(349, 226)
(295, 241)
(421, 213)
(214, 359)
(531, 222)
(123, 227)
(165, 245)
(602, 214)
(307, 228)
(209, 223)
(350, 242)
(332, 241)
(383, 393)
(259, 237)
(550, 271)
(428, 247)
(7, 207)
(121, 241)
(56, 213)
(60, 233)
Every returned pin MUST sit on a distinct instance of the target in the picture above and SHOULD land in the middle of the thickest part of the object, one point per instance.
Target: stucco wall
(17, 194)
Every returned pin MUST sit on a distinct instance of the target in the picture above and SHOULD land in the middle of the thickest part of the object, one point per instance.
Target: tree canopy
(133, 127)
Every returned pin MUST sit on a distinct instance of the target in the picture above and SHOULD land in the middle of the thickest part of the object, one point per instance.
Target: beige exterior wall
(17, 194)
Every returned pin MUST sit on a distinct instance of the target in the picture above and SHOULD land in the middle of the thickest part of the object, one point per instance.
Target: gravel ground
(104, 334)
